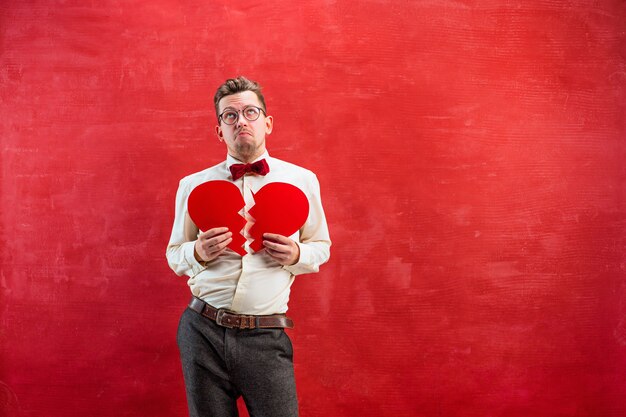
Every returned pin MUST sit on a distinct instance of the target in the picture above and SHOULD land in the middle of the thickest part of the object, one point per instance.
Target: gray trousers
(221, 364)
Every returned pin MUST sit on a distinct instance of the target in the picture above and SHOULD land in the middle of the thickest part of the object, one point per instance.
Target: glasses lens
(229, 117)
(251, 113)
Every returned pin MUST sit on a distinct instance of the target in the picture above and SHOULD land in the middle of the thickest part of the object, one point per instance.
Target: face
(245, 139)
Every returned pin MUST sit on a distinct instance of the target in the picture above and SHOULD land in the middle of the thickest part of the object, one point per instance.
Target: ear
(269, 124)
(218, 132)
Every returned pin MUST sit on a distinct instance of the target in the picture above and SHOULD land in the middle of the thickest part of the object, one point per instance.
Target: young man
(231, 337)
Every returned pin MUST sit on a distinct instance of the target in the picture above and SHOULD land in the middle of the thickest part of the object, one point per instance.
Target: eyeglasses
(251, 113)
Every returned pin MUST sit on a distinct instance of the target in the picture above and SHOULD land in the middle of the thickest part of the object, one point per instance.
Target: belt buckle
(219, 318)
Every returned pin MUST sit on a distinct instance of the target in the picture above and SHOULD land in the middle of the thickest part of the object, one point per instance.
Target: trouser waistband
(233, 320)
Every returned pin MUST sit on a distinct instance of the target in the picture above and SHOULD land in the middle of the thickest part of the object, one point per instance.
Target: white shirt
(254, 283)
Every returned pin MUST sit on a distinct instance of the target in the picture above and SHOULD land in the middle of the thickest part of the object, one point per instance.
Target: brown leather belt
(233, 320)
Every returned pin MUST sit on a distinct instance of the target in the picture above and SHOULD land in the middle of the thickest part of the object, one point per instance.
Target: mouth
(244, 132)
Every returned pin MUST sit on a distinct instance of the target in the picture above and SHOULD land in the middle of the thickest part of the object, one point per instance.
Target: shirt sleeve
(314, 241)
(180, 249)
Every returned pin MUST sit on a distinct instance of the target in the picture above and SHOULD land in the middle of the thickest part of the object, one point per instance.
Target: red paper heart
(279, 208)
(217, 204)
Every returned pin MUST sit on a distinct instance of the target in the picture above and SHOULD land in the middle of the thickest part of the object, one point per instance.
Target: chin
(246, 150)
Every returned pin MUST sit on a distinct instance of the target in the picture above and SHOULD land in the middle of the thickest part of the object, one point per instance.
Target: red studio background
(472, 162)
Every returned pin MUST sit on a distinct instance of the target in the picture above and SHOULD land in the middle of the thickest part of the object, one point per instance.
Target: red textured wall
(472, 162)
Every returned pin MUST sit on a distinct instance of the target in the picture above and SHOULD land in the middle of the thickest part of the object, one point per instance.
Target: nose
(241, 120)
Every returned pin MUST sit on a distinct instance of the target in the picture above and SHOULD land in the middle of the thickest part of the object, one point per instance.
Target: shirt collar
(231, 160)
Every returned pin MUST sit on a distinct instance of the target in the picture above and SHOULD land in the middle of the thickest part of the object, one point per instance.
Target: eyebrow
(233, 108)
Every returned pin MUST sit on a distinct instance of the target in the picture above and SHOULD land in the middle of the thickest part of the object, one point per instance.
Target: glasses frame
(221, 119)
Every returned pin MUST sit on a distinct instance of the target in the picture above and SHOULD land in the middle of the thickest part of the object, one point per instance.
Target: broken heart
(217, 204)
(279, 208)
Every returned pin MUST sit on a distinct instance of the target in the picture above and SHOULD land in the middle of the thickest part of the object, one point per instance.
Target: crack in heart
(278, 208)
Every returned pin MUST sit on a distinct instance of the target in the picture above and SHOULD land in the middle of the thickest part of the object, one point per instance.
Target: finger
(220, 252)
(279, 256)
(219, 247)
(218, 239)
(213, 232)
(275, 246)
(276, 238)
(209, 246)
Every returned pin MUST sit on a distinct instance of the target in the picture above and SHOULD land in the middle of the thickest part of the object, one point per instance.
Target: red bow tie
(239, 170)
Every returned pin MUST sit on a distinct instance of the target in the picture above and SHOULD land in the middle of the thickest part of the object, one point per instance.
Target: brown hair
(237, 85)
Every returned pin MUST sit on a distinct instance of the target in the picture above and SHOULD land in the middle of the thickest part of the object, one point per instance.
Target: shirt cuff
(188, 250)
(304, 261)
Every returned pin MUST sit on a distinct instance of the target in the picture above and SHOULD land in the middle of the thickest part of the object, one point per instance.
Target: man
(231, 337)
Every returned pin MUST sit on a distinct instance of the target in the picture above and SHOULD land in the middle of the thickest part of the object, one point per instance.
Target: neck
(247, 159)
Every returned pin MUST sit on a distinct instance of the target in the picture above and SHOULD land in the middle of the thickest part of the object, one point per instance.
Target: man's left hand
(284, 250)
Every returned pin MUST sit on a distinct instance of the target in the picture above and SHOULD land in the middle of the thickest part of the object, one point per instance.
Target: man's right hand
(212, 243)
